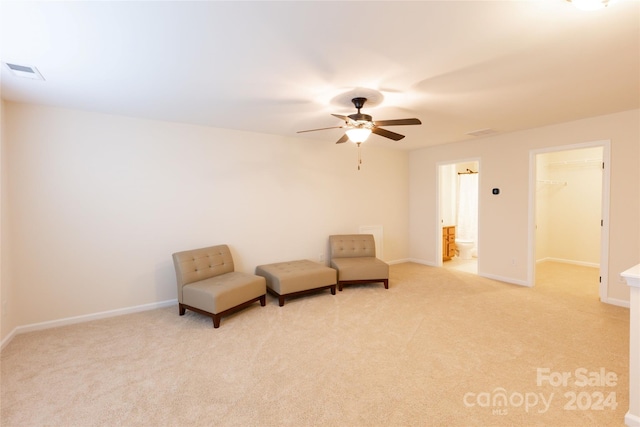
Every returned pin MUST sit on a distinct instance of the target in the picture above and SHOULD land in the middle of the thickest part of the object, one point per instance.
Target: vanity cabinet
(448, 242)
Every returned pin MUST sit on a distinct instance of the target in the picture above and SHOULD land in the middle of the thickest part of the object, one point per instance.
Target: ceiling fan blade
(399, 122)
(348, 120)
(341, 117)
(387, 134)
(344, 138)
(313, 130)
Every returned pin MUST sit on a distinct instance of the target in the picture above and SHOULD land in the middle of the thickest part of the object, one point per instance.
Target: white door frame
(438, 224)
(604, 231)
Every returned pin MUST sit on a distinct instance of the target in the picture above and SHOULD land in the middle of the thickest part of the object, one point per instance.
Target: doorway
(569, 210)
(458, 185)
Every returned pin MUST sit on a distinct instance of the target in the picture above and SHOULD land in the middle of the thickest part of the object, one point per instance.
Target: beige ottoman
(286, 279)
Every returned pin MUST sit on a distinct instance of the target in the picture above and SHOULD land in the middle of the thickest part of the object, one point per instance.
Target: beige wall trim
(85, 318)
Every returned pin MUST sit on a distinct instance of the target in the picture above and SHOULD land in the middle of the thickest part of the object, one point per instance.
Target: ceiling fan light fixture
(590, 4)
(358, 135)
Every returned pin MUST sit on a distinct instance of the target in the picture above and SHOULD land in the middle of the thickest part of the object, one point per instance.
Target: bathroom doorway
(570, 212)
(458, 185)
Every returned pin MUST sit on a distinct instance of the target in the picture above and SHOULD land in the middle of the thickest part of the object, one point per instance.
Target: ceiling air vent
(26, 71)
(482, 132)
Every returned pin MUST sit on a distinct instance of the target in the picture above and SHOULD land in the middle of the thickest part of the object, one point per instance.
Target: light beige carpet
(439, 348)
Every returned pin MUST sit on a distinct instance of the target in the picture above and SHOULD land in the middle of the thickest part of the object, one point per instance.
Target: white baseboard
(421, 261)
(632, 420)
(7, 339)
(488, 276)
(399, 261)
(569, 261)
(506, 279)
(84, 318)
(618, 302)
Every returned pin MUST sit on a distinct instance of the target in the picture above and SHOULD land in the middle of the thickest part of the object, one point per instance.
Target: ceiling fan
(358, 126)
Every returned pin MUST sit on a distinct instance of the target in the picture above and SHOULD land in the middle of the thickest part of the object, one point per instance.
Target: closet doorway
(570, 211)
(458, 215)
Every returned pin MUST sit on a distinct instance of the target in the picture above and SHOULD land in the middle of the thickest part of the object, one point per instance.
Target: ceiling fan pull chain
(359, 156)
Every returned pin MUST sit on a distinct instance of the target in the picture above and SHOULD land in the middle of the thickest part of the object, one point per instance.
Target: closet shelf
(551, 182)
(575, 162)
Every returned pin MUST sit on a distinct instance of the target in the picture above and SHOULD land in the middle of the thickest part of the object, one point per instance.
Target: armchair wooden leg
(386, 283)
(217, 316)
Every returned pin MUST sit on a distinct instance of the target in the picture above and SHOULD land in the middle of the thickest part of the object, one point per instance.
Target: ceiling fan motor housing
(360, 117)
(361, 120)
(359, 102)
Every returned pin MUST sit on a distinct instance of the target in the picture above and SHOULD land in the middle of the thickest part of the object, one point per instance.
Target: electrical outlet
(513, 262)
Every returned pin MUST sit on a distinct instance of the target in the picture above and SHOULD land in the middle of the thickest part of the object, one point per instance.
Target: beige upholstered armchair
(354, 256)
(208, 284)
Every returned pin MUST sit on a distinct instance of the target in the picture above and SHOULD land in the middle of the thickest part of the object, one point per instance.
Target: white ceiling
(281, 67)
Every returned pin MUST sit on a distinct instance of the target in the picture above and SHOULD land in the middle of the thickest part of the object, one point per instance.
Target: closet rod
(467, 172)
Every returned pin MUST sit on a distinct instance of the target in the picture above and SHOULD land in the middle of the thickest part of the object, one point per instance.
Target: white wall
(503, 219)
(6, 320)
(99, 203)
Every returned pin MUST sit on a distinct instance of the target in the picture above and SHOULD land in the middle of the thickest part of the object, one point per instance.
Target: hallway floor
(553, 276)
(466, 265)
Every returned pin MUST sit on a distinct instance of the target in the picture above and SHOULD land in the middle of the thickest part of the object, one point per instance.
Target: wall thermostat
(496, 191)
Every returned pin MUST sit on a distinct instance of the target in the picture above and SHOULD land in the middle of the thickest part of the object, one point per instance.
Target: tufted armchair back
(199, 264)
(352, 245)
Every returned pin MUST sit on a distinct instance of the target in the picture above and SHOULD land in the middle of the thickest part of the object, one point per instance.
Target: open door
(569, 208)
(457, 220)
